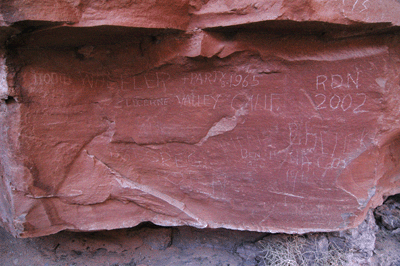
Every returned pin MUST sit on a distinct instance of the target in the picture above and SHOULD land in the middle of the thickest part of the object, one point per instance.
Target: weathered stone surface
(145, 14)
(290, 128)
(217, 13)
(184, 14)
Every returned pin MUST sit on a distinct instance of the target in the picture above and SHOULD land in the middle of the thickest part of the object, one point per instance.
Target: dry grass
(299, 251)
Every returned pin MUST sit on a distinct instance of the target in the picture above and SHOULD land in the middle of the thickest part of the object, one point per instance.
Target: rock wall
(274, 117)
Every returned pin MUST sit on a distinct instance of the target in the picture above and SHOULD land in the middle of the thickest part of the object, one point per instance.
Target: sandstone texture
(371, 243)
(274, 116)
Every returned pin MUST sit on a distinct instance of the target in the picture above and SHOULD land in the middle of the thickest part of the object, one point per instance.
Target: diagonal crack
(69, 165)
(125, 182)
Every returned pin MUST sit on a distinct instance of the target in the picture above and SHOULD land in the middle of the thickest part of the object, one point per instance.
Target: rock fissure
(125, 182)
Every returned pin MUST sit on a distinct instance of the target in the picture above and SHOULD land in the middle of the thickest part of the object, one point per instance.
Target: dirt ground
(151, 245)
(143, 245)
(375, 242)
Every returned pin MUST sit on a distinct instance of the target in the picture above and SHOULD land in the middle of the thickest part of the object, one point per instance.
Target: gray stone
(361, 241)
(389, 213)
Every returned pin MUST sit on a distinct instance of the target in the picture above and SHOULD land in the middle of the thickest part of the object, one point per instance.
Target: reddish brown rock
(290, 128)
(192, 14)
(217, 13)
(141, 13)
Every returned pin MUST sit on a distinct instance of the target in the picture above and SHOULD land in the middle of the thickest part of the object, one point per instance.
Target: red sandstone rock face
(273, 126)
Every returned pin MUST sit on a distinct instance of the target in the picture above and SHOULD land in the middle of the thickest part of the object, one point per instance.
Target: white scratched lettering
(338, 82)
(222, 79)
(321, 79)
(148, 81)
(195, 100)
(140, 102)
(294, 138)
(357, 109)
(355, 5)
(267, 102)
(345, 102)
(51, 78)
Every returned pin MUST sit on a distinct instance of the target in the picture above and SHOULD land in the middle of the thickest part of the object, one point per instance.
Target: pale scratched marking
(265, 101)
(334, 148)
(157, 81)
(178, 161)
(234, 144)
(294, 178)
(207, 77)
(337, 81)
(349, 193)
(253, 102)
(306, 162)
(343, 6)
(222, 77)
(255, 106)
(354, 81)
(332, 99)
(190, 100)
(322, 102)
(345, 142)
(75, 192)
(248, 138)
(312, 103)
(365, 7)
(196, 163)
(323, 83)
(351, 102)
(259, 141)
(164, 160)
(355, 3)
(238, 81)
(222, 147)
(362, 142)
(341, 102)
(335, 84)
(356, 111)
(173, 174)
(309, 98)
(291, 138)
(286, 194)
(140, 102)
(52, 78)
(272, 109)
(216, 100)
(89, 78)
